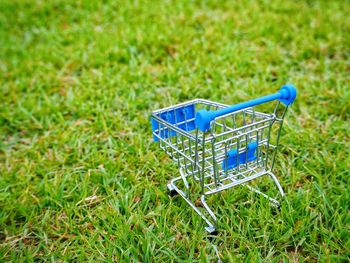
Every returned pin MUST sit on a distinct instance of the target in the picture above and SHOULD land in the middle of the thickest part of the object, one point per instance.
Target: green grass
(80, 177)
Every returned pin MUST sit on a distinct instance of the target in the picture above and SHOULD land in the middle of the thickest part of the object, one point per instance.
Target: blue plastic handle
(286, 95)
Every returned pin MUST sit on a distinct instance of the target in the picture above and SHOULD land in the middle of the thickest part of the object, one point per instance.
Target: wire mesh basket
(217, 146)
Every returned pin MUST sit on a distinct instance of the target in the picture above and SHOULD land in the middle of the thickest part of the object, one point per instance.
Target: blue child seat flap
(234, 159)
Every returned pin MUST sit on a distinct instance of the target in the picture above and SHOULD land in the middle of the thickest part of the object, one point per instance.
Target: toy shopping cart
(217, 146)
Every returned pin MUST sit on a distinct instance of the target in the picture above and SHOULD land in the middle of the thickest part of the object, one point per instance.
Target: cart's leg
(277, 183)
(272, 200)
(172, 186)
(211, 213)
(183, 176)
(210, 230)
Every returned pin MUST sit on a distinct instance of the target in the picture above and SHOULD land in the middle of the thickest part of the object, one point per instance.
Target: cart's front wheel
(171, 190)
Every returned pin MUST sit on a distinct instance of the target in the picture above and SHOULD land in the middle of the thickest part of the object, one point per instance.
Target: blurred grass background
(80, 177)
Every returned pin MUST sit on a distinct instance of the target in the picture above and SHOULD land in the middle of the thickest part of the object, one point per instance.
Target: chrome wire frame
(201, 156)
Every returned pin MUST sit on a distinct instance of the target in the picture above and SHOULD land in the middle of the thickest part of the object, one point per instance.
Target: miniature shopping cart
(217, 146)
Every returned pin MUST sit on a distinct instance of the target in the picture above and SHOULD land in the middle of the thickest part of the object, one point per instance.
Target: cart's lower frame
(173, 189)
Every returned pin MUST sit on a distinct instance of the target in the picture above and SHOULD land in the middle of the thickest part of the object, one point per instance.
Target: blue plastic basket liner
(181, 117)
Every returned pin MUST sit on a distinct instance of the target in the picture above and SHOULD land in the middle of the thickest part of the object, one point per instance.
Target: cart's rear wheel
(277, 208)
(211, 230)
(171, 190)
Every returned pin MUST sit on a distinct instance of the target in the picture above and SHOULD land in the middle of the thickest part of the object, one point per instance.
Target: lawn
(81, 179)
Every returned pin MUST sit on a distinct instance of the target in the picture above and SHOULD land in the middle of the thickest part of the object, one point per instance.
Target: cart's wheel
(171, 191)
(211, 230)
(277, 208)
